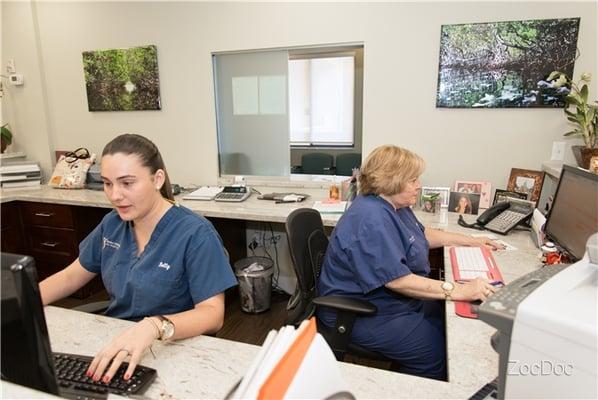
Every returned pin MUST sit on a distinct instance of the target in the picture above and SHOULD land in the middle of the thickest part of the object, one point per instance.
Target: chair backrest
(317, 163)
(345, 163)
(307, 245)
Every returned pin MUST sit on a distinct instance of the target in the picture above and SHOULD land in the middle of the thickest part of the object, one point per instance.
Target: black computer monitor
(573, 217)
(26, 354)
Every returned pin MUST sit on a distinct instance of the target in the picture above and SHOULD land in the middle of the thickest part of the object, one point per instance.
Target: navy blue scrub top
(372, 245)
(184, 263)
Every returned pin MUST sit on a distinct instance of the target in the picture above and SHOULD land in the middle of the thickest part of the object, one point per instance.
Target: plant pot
(583, 155)
(3, 145)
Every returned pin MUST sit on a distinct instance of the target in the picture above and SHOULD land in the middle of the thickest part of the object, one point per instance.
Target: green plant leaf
(584, 93)
(553, 75)
(571, 133)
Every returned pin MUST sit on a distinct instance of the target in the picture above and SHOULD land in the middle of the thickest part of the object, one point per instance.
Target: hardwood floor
(252, 328)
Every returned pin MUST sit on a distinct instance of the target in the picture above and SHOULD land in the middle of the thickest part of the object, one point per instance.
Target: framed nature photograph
(122, 79)
(442, 190)
(501, 195)
(481, 188)
(505, 64)
(526, 181)
(464, 203)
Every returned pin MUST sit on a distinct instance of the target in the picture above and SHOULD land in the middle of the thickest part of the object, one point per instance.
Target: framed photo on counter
(442, 190)
(481, 188)
(526, 181)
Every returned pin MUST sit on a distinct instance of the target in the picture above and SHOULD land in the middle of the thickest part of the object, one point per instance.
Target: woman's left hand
(487, 243)
(131, 342)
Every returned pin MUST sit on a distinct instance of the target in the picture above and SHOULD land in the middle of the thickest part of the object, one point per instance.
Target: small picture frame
(464, 203)
(501, 195)
(442, 190)
(481, 188)
(526, 181)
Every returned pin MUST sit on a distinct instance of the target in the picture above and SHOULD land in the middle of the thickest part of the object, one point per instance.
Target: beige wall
(400, 72)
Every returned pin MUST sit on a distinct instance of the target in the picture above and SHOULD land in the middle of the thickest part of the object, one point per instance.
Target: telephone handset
(504, 216)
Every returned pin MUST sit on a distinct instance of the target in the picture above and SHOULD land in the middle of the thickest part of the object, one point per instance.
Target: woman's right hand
(476, 289)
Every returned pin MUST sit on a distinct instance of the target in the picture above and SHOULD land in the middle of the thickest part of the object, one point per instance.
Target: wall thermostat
(16, 79)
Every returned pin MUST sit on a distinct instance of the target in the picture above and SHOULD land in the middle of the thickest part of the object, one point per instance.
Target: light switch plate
(558, 151)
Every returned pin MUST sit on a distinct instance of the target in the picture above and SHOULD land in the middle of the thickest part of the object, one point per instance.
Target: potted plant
(5, 136)
(581, 113)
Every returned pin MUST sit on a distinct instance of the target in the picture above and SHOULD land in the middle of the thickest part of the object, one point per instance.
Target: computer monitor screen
(573, 217)
(26, 354)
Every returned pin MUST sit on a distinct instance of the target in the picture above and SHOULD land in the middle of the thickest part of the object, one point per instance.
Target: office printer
(547, 331)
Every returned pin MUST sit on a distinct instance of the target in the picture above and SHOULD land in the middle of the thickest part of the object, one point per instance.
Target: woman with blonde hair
(379, 252)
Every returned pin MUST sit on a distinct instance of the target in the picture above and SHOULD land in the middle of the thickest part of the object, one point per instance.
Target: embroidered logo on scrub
(164, 265)
(108, 243)
(411, 239)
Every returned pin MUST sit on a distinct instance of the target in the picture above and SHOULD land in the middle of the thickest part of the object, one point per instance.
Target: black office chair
(307, 245)
(316, 164)
(345, 163)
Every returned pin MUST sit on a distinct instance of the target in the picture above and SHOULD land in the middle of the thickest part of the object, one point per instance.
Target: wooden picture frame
(526, 181)
(484, 189)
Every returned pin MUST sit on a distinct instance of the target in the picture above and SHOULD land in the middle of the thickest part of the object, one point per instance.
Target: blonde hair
(387, 169)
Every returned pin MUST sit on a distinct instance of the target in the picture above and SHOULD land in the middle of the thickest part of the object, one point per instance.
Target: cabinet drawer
(44, 214)
(46, 242)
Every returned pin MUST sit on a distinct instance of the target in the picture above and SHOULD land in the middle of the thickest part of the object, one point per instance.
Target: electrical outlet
(558, 151)
(10, 66)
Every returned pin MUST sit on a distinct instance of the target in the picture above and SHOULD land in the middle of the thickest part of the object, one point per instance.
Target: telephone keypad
(504, 221)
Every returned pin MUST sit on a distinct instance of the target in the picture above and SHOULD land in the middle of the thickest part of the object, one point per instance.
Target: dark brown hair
(147, 152)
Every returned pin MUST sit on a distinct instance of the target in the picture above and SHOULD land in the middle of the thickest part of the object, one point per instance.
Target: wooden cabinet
(51, 234)
(11, 234)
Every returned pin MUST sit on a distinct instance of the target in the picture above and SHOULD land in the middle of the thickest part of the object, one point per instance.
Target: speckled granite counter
(206, 367)
(251, 209)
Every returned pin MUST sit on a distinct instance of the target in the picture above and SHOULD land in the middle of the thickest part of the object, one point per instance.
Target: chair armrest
(356, 306)
(93, 308)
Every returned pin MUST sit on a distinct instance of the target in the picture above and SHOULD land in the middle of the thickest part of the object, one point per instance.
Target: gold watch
(447, 288)
(166, 328)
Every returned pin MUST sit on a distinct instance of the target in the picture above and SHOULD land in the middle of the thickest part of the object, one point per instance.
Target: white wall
(400, 74)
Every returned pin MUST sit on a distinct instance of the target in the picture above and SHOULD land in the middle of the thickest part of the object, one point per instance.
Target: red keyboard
(469, 263)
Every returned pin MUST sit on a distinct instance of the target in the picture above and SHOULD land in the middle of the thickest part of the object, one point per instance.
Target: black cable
(275, 242)
(464, 224)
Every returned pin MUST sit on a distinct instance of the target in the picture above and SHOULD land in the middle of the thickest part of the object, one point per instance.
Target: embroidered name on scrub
(108, 243)
(411, 239)
(164, 265)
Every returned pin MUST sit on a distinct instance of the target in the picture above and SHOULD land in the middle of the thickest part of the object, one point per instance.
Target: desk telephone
(503, 216)
(233, 193)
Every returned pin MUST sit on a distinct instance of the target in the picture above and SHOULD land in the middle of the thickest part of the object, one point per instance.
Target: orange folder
(281, 377)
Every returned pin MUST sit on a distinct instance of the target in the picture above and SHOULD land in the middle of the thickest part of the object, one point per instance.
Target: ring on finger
(125, 350)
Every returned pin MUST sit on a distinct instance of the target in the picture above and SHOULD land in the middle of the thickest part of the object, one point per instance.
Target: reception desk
(207, 367)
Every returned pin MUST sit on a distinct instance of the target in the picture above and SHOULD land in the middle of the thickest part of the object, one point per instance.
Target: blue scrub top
(184, 263)
(372, 245)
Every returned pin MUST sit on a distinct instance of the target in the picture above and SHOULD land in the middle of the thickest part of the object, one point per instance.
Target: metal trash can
(255, 283)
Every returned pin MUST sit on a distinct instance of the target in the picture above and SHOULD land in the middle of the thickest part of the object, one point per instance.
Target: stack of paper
(20, 174)
(330, 208)
(204, 193)
(293, 364)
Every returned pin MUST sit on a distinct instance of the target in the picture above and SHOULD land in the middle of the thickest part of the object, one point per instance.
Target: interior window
(289, 112)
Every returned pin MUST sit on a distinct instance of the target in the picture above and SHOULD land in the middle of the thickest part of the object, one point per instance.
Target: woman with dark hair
(162, 265)
(463, 205)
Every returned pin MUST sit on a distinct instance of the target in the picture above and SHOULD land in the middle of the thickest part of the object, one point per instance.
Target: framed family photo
(481, 188)
(443, 191)
(464, 203)
(526, 181)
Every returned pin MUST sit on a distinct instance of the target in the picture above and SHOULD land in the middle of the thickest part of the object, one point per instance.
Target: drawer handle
(40, 214)
(50, 244)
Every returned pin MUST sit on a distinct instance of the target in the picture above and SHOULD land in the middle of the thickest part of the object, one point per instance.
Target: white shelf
(553, 168)
(8, 156)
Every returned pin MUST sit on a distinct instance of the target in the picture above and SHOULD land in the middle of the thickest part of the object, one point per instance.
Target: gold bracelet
(155, 326)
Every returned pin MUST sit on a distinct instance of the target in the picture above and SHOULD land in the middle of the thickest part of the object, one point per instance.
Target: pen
(497, 283)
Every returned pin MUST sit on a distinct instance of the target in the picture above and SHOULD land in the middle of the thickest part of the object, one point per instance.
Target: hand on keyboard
(475, 289)
(131, 342)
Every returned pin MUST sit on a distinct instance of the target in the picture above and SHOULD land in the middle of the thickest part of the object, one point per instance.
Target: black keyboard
(488, 392)
(73, 383)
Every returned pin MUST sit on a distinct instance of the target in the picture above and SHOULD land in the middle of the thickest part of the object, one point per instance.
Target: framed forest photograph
(505, 64)
(122, 79)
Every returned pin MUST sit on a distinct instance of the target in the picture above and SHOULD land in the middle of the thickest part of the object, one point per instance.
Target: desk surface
(207, 367)
(251, 209)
